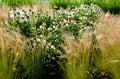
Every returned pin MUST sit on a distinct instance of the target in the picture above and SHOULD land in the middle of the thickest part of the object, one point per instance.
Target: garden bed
(60, 41)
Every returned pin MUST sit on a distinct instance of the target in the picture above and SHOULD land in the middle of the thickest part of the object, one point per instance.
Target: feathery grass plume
(11, 49)
(77, 53)
(41, 8)
(3, 14)
(44, 8)
(107, 33)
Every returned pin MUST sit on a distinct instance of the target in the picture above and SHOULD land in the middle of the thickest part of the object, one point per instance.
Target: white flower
(64, 20)
(17, 15)
(67, 24)
(22, 19)
(52, 46)
(49, 28)
(49, 44)
(12, 16)
(38, 40)
(54, 22)
(72, 20)
(72, 14)
(55, 27)
(84, 17)
(80, 30)
(76, 8)
(13, 11)
(41, 27)
(29, 12)
(22, 13)
(55, 7)
(41, 36)
(69, 16)
(26, 19)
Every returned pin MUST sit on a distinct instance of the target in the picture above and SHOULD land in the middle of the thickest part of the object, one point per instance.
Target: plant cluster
(44, 33)
(77, 19)
(40, 29)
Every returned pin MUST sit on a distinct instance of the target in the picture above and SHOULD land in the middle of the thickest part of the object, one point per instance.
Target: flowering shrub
(77, 19)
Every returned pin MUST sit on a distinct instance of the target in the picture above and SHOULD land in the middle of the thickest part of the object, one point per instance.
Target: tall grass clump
(84, 60)
(77, 54)
(18, 2)
(17, 59)
(11, 48)
(3, 13)
(107, 33)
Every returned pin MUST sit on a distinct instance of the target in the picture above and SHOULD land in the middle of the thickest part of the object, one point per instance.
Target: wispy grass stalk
(11, 49)
(77, 54)
(109, 41)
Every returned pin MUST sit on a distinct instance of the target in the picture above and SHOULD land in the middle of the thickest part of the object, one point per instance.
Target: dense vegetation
(77, 41)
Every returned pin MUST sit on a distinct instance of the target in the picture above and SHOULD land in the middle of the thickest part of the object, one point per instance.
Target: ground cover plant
(71, 43)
